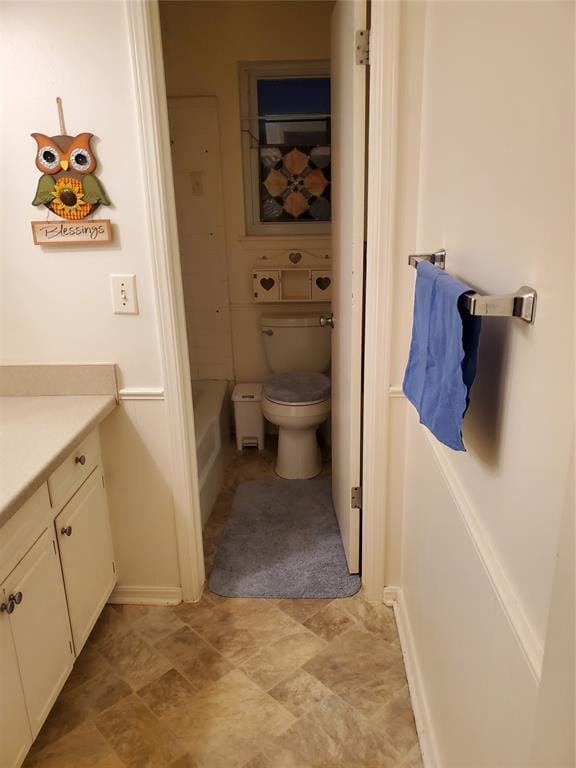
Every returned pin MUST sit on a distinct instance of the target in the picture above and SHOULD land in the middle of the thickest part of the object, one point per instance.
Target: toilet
(296, 397)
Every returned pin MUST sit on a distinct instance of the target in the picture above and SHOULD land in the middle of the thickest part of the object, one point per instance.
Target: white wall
(493, 169)
(203, 43)
(56, 302)
(553, 740)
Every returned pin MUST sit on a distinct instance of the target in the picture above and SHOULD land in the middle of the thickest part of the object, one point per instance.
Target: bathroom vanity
(57, 565)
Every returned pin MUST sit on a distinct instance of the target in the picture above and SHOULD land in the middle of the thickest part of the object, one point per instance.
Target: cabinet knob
(17, 598)
(80, 460)
(66, 530)
(7, 607)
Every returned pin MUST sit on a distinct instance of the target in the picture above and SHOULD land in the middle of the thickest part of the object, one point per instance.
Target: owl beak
(64, 164)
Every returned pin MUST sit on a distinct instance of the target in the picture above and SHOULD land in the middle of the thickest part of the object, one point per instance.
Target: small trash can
(247, 399)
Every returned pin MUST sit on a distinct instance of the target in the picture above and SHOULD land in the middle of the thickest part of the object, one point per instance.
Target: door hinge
(363, 47)
(71, 647)
(103, 481)
(113, 566)
(356, 497)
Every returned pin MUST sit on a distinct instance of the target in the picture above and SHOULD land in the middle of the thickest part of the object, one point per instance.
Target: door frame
(143, 23)
(380, 216)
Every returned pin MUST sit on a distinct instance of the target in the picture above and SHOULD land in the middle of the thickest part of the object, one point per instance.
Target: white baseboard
(393, 598)
(390, 595)
(136, 595)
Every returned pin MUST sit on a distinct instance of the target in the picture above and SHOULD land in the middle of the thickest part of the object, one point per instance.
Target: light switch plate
(124, 297)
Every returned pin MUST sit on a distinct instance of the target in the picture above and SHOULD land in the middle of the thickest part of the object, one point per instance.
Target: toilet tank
(296, 343)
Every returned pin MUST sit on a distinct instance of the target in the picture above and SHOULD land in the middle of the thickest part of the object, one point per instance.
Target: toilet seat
(297, 388)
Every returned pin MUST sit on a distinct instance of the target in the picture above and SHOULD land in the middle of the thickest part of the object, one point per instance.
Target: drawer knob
(66, 530)
(80, 460)
(17, 598)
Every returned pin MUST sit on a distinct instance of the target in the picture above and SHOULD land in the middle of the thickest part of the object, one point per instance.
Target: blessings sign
(62, 233)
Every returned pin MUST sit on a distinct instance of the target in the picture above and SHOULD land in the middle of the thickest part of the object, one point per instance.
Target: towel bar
(521, 304)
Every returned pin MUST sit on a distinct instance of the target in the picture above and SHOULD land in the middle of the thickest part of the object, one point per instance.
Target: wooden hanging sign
(72, 233)
(69, 188)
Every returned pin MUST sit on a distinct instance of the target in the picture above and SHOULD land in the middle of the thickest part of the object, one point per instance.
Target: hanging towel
(443, 354)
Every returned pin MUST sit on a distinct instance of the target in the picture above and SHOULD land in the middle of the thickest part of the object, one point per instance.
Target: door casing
(143, 22)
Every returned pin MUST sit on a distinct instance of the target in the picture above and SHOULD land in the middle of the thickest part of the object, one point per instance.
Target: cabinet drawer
(23, 529)
(70, 475)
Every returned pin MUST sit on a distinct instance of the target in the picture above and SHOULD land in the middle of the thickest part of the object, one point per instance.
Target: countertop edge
(13, 505)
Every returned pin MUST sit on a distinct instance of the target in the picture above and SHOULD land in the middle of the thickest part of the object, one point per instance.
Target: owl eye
(49, 157)
(80, 159)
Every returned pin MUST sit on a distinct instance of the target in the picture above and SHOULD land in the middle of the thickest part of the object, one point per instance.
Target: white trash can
(247, 399)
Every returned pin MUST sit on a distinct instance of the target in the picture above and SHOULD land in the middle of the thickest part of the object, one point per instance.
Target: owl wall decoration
(68, 186)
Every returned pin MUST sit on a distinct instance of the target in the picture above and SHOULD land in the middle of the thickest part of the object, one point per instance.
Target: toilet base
(299, 456)
(298, 452)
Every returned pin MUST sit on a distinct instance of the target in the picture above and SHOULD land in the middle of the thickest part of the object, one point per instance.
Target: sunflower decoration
(69, 200)
(68, 185)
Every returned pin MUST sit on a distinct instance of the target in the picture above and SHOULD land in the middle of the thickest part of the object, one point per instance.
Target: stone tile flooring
(236, 683)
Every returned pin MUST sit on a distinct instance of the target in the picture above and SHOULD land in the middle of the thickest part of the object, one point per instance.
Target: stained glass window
(294, 151)
(289, 135)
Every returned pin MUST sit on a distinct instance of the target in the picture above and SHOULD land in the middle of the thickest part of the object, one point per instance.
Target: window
(285, 117)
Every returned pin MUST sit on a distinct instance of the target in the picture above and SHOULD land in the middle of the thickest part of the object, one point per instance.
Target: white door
(481, 529)
(15, 735)
(85, 542)
(40, 627)
(348, 170)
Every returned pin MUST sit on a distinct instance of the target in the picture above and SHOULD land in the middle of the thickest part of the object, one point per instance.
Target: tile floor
(236, 683)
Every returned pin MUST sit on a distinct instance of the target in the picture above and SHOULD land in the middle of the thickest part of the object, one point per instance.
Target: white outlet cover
(124, 296)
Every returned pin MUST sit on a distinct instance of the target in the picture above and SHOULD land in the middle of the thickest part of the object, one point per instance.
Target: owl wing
(45, 190)
(93, 192)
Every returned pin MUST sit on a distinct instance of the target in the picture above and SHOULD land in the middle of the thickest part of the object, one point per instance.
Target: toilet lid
(297, 387)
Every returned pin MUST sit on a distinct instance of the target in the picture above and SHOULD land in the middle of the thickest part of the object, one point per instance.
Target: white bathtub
(212, 430)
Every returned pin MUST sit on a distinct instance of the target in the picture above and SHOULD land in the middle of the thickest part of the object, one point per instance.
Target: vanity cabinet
(56, 573)
(85, 545)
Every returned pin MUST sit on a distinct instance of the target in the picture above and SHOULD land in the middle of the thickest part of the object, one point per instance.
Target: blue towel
(443, 354)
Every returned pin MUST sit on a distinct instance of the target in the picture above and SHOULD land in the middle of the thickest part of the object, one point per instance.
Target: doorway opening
(268, 155)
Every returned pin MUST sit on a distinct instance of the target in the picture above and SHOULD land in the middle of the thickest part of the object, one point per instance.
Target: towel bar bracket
(438, 258)
(521, 304)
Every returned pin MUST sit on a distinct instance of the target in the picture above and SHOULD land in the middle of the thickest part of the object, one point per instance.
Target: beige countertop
(36, 435)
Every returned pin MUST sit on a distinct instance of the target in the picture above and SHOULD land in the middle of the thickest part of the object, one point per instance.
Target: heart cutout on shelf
(267, 283)
(323, 282)
(295, 257)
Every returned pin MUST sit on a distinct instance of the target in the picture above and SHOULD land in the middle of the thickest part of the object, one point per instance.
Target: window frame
(249, 73)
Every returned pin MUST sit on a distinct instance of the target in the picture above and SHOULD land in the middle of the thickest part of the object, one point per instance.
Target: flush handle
(327, 320)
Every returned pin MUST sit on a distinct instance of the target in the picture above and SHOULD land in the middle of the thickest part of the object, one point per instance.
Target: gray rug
(282, 540)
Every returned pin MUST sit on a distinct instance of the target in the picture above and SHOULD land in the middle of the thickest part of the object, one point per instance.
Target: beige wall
(486, 170)
(203, 43)
(197, 169)
(56, 302)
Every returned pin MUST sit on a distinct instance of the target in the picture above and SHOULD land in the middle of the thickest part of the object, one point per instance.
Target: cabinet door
(15, 734)
(85, 541)
(40, 627)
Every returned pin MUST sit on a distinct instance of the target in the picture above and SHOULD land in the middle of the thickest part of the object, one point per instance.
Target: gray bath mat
(282, 540)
